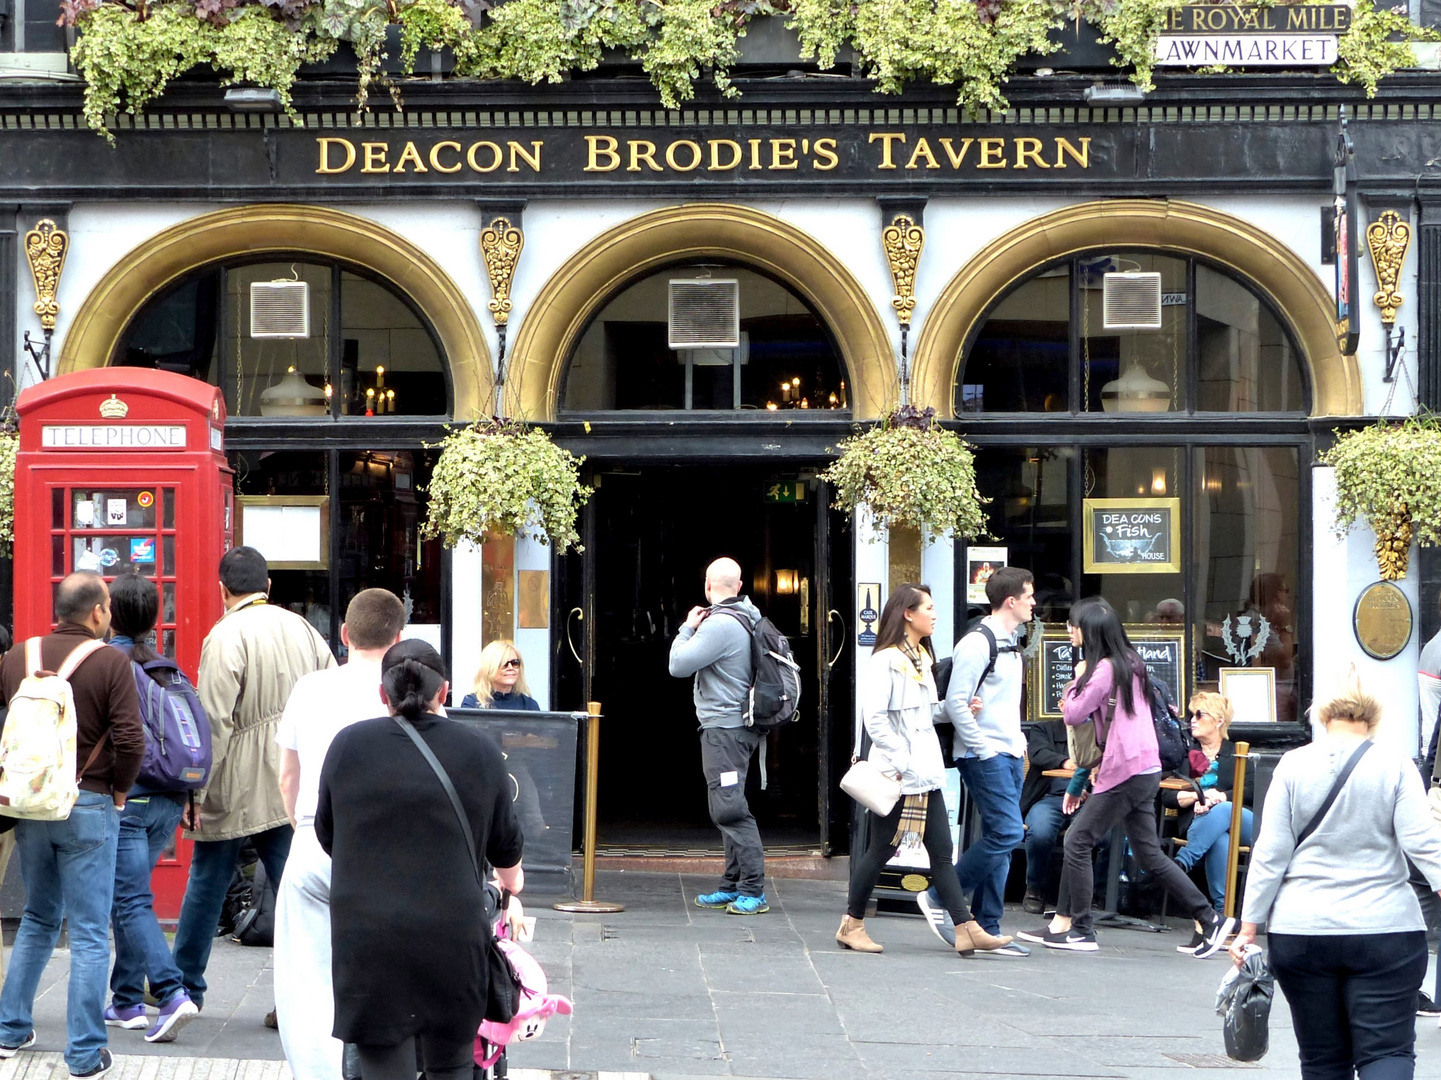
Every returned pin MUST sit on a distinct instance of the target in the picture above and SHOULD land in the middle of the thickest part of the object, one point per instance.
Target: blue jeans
(1043, 827)
(212, 865)
(995, 786)
(69, 871)
(141, 952)
(1209, 838)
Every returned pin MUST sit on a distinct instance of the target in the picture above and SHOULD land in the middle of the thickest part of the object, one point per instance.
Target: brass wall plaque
(1383, 620)
(533, 598)
(497, 577)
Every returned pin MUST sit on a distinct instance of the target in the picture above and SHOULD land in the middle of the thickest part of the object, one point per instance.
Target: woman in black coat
(409, 932)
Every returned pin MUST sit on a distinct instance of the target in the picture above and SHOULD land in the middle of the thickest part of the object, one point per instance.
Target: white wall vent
(705, 313)
(280, 309)
(1131, 300)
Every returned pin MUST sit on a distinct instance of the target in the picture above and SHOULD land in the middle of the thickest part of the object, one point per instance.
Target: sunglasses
(511, 664)
(1198, 714)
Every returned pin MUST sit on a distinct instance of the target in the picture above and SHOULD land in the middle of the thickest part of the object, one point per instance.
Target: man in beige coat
(250, 661)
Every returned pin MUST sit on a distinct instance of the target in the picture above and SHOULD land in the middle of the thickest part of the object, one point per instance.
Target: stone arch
(257, 229)
(555, 321)
(1269, 266)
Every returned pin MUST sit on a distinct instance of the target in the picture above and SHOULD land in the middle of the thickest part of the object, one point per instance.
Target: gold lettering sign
(1383, 620)
(664, 158)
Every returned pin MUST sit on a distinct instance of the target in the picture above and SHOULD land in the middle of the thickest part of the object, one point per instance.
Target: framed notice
(1163, 648)
(1251, 691)
(291, 531)
(1131, 536)
(981, 563)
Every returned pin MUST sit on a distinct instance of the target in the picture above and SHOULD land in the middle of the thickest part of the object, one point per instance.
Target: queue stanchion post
(587, 901)
(1238, 802)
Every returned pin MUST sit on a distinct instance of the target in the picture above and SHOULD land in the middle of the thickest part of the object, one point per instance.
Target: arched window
(786, 358)
(294, 337)
(1052, 344)
(1166, 473)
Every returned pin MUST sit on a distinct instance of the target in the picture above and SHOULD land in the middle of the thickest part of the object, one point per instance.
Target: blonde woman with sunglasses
(500, 680)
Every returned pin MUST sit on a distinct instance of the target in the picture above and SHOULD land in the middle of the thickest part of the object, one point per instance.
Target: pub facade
(1128, 306)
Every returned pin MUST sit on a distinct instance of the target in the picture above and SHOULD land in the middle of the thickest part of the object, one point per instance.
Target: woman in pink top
(1125, 784)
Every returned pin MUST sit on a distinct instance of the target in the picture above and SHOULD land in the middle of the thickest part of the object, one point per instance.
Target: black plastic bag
(1243, 1001)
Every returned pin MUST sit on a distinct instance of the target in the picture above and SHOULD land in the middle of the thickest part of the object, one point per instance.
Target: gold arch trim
(553, 326)
(264, 228)
(1271, 267)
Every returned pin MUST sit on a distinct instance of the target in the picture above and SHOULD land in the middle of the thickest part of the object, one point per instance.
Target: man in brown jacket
(69, 866)
(249, 662)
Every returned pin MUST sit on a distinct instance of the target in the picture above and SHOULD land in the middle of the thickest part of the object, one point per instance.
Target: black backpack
(1172, 740)
(775, 694)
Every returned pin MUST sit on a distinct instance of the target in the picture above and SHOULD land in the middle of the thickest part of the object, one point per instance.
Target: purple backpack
(177, 731)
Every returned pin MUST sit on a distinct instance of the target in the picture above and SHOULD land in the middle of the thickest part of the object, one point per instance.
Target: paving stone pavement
(667, 990)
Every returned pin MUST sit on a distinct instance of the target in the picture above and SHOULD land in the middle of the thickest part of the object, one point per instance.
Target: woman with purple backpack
(147, 825)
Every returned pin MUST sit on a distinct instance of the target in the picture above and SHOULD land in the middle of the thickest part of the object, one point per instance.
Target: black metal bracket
(40, 353)
(1395, 345)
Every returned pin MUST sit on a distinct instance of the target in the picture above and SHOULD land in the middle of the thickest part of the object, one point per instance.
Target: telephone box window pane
(167, 643)
(167, 547)
(57, 556)
(167, 510)
(131, 508)
(57, 508)
(167, 604)
(110, 555)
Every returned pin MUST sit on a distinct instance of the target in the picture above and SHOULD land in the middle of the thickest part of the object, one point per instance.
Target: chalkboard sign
(1162, 648)
(1132, 536)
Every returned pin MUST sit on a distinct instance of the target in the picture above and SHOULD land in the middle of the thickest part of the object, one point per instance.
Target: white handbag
(870, 787)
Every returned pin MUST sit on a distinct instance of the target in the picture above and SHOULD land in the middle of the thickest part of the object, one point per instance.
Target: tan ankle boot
(852, 935)
(970, 937)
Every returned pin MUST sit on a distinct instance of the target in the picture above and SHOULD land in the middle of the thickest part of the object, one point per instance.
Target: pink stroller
(536, 1006)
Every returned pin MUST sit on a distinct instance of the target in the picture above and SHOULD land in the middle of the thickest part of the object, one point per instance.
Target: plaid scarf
(913, 819)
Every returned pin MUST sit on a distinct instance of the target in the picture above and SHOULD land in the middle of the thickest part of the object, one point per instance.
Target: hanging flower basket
(9, 444)
(503, 476)
(909, 471)
(1389, 476)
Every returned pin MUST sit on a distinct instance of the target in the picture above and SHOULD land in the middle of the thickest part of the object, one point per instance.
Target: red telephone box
(124, 469)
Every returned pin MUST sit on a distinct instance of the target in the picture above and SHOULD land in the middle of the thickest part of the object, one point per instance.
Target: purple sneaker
(130, 1017)
(174, 1015)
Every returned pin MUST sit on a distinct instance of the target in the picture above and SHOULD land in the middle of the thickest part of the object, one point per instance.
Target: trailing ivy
(129, 50)
(9, 445)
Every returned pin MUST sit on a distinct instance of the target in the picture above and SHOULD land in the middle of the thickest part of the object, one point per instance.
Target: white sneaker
(937, 918)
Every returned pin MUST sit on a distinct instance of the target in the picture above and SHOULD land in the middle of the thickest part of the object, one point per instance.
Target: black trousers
(1134, 803)
(440, 1058)
(866, 870)
(1353, 1001)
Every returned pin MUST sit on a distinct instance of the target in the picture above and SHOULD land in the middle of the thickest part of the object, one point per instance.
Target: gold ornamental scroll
(903, 240)
(1389, 238)
(45, 248)
(500, 244)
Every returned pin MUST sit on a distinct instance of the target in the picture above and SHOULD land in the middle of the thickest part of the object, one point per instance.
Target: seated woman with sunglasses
(500, 680)
(1205, 814)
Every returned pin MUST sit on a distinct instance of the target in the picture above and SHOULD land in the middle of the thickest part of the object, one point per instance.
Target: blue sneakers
(718, 900)
(174, 1015)
(126, 1016)
(748, 905)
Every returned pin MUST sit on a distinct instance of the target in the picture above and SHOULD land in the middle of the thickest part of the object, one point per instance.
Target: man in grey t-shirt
(714, 645)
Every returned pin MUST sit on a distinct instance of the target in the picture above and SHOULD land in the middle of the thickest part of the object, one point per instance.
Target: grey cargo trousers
(725, 755)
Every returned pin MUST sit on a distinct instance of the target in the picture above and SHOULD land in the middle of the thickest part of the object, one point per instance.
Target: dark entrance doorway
(652, 532)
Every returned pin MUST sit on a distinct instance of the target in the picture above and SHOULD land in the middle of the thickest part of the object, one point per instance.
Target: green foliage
(908, 471)
(500, 476)
(1389, 476)
(129, 50)
(9, 444)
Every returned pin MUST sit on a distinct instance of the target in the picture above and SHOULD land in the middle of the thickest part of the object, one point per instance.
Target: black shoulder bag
(503, 994)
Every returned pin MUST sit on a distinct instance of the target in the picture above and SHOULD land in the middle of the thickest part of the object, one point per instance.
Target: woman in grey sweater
(1347, 940)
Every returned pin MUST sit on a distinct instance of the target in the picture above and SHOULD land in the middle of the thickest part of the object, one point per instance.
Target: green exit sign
(786, 491)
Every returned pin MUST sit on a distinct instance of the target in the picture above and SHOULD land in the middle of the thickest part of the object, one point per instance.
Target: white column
(466, 594)
(872, 564)
(938, 570)
(1342, 569)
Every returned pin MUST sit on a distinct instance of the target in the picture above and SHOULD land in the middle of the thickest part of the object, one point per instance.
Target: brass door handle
(570, 642)
(834, 614)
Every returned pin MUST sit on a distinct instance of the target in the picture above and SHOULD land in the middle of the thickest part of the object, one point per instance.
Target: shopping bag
(1243, 1001)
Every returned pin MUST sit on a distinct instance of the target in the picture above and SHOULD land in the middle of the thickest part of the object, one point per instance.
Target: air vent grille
(704, 313)
(1131, 301)
(280, 309)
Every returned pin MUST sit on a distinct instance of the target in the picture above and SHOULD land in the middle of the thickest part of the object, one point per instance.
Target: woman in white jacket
(899, 709)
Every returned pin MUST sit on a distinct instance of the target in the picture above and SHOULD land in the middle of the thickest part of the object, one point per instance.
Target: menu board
(1131, 536)
(1163, 648)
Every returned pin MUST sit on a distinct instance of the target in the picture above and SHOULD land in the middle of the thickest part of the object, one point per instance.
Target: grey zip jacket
(718, 654)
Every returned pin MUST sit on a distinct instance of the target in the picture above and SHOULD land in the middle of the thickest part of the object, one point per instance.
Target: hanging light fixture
(1135, 391)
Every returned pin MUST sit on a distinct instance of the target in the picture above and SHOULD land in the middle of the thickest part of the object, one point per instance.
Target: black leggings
(443, 1059)
(866, 870)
